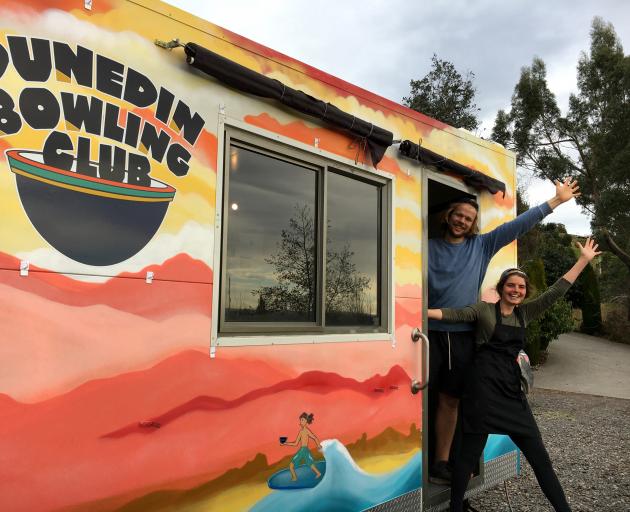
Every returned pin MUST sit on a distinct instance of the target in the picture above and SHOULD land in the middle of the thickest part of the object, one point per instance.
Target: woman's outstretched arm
(467, 314)
(535, 308)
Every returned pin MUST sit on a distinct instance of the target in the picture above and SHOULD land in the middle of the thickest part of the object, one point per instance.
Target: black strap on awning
(470, 176)
(375, 139)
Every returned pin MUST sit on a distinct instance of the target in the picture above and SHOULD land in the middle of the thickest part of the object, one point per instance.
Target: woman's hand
(589, 250)
(434, 314)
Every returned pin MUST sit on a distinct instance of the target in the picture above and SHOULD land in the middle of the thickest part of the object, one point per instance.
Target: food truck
(213, 265)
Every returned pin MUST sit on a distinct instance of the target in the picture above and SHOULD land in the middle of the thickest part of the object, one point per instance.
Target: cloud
(381, 46)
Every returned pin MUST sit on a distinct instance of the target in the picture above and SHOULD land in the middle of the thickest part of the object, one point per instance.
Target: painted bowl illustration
(91, 220)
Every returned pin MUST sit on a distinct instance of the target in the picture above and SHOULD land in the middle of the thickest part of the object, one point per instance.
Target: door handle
(419, 385)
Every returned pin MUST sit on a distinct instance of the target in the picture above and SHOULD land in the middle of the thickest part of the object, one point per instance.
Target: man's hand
(564, 192)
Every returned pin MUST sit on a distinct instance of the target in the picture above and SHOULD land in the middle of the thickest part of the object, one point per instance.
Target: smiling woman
(494, 402)
(516, 285)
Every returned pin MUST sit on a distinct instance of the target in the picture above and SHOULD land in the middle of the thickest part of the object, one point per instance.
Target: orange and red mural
(109, 398)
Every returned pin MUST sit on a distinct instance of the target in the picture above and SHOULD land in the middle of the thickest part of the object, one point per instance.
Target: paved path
(585, 364)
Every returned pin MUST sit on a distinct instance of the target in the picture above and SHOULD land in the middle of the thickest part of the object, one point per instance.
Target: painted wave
(496, 446)
(345, 486)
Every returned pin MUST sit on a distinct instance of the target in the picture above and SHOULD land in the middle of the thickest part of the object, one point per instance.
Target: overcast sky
(381, 46)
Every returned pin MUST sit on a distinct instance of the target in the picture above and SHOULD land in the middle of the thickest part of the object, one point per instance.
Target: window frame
(242, 333)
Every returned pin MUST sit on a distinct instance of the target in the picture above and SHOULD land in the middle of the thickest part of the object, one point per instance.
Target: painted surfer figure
(304, 454)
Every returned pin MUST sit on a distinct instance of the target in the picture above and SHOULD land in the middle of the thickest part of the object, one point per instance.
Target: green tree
(536, 271)
(554, 248)
(592, 142)
(591, 302)
(446, 95)
(529, 243)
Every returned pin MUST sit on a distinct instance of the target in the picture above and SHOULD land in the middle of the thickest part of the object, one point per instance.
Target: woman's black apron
(493, 402)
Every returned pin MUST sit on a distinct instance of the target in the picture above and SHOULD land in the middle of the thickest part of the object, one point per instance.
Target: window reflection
(271, 242)
(352, 252)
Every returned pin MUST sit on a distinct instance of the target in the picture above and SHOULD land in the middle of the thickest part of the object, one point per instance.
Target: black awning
(470, 176)
(376, 139)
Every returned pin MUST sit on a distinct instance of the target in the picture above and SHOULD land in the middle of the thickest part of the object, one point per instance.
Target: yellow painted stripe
(406, 258)
(407, 221)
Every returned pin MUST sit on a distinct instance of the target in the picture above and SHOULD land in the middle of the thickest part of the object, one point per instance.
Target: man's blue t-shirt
(456, 271)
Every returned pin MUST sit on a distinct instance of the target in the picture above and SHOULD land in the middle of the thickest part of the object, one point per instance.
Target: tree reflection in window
(294, 266)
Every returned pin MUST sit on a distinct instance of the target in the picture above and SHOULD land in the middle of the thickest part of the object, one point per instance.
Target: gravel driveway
(588, 439)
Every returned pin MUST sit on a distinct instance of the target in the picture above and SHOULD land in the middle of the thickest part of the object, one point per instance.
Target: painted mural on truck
(109, 399)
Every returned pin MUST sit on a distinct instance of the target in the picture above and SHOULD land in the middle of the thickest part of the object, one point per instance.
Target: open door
(439, 192)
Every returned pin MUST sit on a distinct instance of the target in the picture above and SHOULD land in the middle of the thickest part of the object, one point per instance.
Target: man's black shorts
(450, 357)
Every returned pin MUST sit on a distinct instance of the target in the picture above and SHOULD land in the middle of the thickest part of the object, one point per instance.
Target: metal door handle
(417, 386)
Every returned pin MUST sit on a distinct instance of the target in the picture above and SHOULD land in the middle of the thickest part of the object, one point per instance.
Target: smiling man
(457, 266)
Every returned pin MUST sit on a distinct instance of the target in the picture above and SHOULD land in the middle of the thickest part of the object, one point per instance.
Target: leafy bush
(532, 342)
(536, 271)
(556, 320)
(616, 325)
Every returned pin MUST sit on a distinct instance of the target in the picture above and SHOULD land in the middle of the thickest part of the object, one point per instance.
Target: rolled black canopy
(470, 176)
(376, 139)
